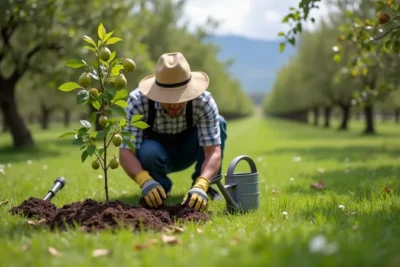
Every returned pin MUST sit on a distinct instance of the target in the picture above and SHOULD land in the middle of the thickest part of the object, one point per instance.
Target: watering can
(241, 190)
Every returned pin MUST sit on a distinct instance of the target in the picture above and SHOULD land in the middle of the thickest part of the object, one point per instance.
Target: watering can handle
(236, 160)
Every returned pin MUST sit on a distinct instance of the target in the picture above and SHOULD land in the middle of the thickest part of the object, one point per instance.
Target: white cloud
(250, 18)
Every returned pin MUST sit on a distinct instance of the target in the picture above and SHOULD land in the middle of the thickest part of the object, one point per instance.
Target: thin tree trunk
(45, 117)
(20, 133)
(316, 116)
(67, 117)
(369, 119)
(345, 117)
(5, 126)
(327, 115)
(397, 115)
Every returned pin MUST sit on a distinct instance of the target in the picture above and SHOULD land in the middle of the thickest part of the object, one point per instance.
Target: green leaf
(85, 124)
(140, 124)
(137, 117)
(90, 48)
(84, 156)
(89, 40)
(91, 149)
(337, 58)
(121, 94)
(82, 147)
(74, 63)
(69, 86)
(118, 110)
(115, 70)
(113, 40)
(379, 5)
(93, 135)
(101, 134)
(107, 36)
(121, 103)
(113, 54)
(388, 44)
(101, 151)
(122, 122)
(93, 117)
(282, 47)
(101, 31)
(67, 134)
(281, 34)
(82, 97)
(96, 105)
(129, 144)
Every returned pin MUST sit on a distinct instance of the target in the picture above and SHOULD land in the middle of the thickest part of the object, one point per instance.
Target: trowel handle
(236, 160)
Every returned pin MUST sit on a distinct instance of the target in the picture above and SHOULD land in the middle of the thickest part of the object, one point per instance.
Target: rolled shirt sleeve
(208, 123)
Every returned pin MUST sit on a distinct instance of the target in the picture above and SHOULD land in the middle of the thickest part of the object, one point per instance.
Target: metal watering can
(241, 190)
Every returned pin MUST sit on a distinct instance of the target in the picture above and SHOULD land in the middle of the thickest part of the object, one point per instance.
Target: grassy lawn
(289, 157)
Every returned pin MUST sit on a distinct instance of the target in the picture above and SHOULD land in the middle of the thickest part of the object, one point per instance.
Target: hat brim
(197, 85)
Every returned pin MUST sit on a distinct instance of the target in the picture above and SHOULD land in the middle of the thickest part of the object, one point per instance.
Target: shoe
(213, 194)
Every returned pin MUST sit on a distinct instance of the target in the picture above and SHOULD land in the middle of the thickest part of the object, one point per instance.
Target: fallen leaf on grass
(169, 239)
(25, 247)
(100, 252)
(199, 231)
(54, 252)
(174, 229)
(2, 171)
(321, 170)
(275, 191)
(147, 244)
(34, 223)
(3, 203)
(318, 185)
(386, 189)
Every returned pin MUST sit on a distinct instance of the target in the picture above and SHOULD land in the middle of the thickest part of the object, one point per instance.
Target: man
(185, 128)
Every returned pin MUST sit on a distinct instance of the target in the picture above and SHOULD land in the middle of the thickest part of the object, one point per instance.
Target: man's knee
(151, 154)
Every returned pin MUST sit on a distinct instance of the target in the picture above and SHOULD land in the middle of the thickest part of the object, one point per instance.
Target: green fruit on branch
(105, 54)
(94, 92)
(117, 140)
(120, 81)
(85, 80)
(114, 163)
(103, 120)
(129, 65)
(95, 165)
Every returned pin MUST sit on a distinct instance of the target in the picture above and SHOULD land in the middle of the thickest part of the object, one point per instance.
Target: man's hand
(198, 194)
(152, 191)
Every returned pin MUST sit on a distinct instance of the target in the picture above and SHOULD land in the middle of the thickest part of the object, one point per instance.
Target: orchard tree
(103, 85)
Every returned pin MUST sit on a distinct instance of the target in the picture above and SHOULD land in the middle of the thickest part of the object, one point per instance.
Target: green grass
(365, 233)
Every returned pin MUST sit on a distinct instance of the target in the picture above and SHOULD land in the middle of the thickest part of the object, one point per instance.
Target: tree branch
(38, 48)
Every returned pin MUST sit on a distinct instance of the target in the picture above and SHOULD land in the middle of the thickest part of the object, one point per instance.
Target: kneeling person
(185, 128)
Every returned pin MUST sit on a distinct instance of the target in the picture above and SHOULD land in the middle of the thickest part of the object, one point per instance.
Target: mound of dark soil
(90, 215)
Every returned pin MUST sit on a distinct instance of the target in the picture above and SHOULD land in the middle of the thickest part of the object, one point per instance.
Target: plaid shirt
(205, 118)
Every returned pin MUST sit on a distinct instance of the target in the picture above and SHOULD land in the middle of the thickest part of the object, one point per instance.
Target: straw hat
(173, 81)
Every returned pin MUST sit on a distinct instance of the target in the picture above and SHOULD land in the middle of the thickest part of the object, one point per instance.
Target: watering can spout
(224, 192)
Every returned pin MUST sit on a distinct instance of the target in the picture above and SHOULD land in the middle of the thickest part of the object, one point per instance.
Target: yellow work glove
(197, 196)
(152, 191)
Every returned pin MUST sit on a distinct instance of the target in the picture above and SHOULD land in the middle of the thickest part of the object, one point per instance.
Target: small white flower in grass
(2, 166)
(45, 167)
(9, 165)
(291, 179)
(29, 162)
(296, 159)
(341, 207)
(317, 243)
(100, 176)
(285, 214)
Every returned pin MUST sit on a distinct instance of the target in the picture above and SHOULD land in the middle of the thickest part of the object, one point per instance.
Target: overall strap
(152, 114)
(189, 114)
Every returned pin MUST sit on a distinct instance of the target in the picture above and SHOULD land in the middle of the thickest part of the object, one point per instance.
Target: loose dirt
(91, 215)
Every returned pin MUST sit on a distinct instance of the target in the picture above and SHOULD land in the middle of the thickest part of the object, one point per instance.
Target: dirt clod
(91, 215)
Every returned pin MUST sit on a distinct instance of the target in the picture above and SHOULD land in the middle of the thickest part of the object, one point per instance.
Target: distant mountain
(256, 62)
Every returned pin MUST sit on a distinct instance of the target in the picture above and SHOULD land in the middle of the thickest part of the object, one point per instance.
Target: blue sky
(259, 19)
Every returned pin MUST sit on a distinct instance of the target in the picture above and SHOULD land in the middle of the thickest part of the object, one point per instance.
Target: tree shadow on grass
(341, 154)
(357, 182)
(43, 149)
